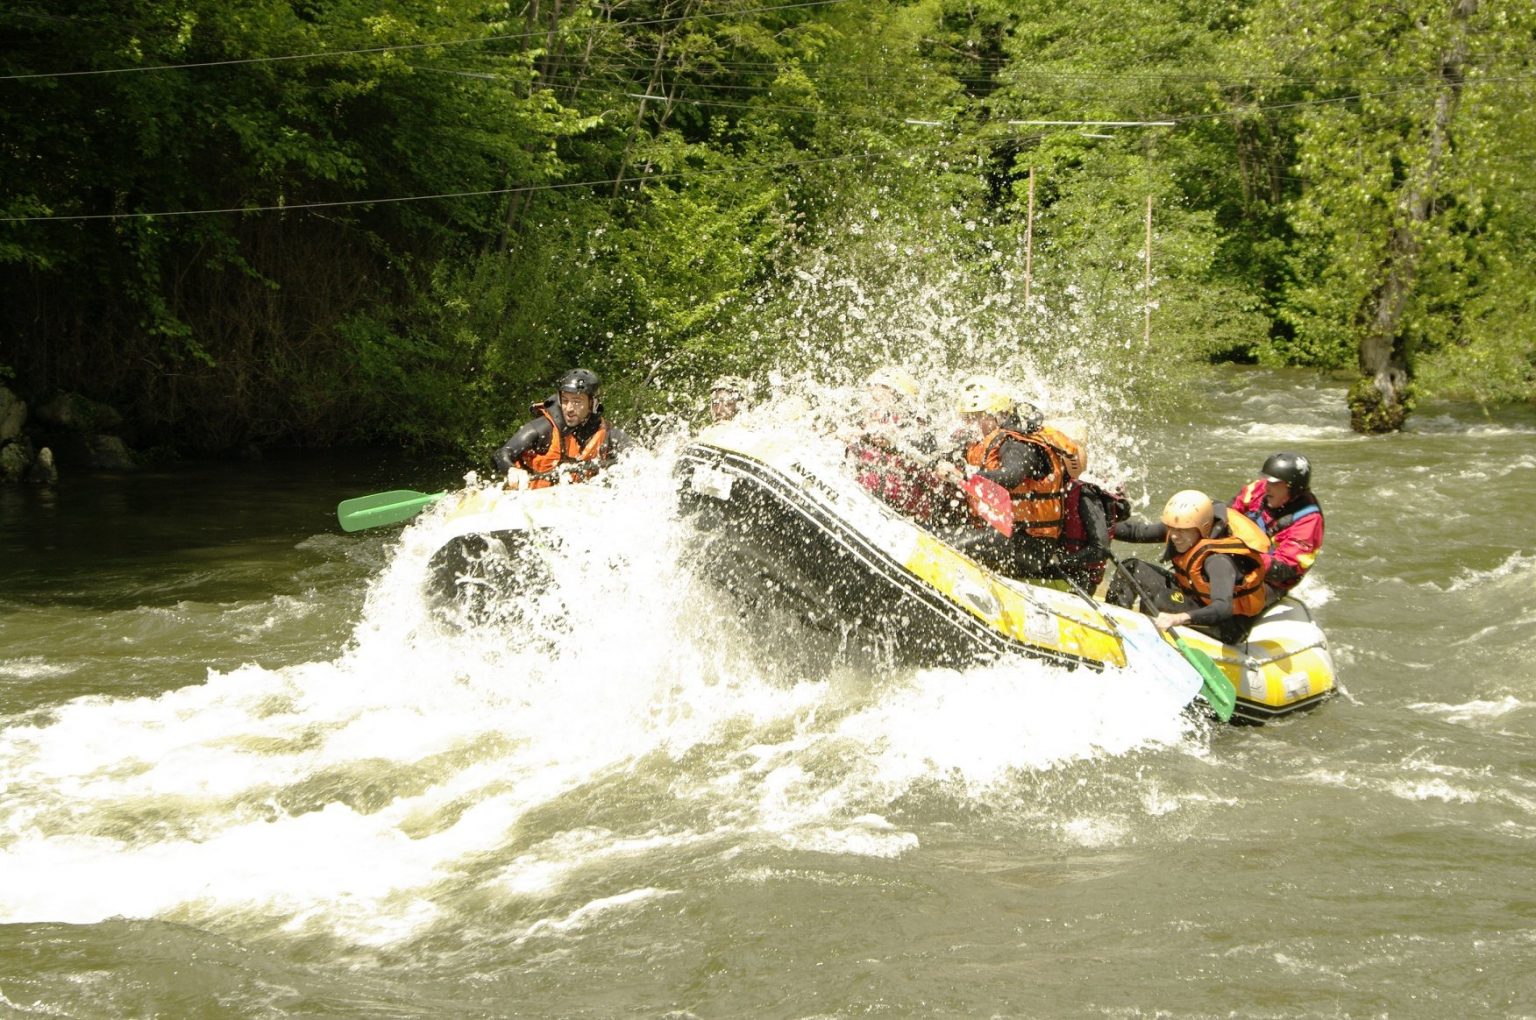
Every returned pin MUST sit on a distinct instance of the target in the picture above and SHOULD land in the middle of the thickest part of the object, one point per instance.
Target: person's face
(1276, 494)
(575, 407)
(1183, 538)
(723, 404)
(979, 423)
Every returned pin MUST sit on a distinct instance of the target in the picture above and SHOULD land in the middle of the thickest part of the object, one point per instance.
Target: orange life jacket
(1247, 544)
(563, 449)
(1038, 503)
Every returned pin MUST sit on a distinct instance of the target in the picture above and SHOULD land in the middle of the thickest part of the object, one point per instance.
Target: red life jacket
(1074, 534)
(1297, 536)
(904, 486)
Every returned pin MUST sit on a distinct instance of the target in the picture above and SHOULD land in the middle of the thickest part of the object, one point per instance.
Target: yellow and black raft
(779, 519)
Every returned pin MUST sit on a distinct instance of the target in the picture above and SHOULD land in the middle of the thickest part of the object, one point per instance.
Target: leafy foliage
(323, 221)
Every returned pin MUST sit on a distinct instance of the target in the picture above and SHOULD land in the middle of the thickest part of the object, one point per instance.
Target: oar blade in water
(382, 508)
(1214, 685)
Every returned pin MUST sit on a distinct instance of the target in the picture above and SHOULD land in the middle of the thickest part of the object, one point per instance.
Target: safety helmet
(1291, 468)
(731, 384)
(983, 394)
(1190, 508)
(895, 379)
(580, 380)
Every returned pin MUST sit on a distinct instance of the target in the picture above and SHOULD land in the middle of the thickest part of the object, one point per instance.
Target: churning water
(262, 774)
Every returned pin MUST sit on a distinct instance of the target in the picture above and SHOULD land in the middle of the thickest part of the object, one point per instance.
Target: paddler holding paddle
(1011, 448)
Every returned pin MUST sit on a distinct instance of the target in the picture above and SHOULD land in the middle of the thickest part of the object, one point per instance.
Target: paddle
(398, 505)
(991, 502)
(383, 508)
(1214, 685)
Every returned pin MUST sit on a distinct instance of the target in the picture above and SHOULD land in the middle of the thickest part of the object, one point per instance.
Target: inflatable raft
(490, 542)
(780, 521)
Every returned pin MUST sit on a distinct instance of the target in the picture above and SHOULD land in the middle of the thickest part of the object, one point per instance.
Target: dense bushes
(451, 202)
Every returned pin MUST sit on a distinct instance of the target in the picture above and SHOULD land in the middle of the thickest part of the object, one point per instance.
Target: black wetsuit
(537, 433)
(1220, 570)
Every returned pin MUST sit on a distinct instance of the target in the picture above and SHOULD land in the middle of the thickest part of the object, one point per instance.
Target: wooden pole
(1146, 278)
(1029, 240)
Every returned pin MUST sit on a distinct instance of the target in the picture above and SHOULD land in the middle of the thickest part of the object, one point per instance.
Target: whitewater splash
(367, 796)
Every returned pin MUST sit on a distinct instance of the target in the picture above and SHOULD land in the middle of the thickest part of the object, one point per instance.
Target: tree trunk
(1381, 399)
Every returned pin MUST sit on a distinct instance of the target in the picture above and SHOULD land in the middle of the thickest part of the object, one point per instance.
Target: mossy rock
(1371, 414)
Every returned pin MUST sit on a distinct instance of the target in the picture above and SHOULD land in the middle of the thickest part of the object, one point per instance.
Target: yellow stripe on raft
(1045, 619)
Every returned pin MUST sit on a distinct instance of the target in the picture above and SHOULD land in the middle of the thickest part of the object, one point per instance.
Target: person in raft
(1088, 512)
(891, 447)
(1010, 446)
(728, 397)
(1218, 560)
(1281, 502)
(568, 438)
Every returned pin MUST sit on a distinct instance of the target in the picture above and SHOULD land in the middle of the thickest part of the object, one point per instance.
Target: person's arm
(1295, 549)
(1142, 532)
(1221, 571)
(1018, 461)
(619, 440)
(535, 434)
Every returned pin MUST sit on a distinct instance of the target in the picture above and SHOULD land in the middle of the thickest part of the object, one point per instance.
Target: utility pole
(1029, 240)
(1146, 279)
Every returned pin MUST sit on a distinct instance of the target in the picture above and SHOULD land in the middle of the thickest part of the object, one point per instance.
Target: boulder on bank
(15, 458)
(109, 453)
(78, 429)
(75, 413)
(13, 415)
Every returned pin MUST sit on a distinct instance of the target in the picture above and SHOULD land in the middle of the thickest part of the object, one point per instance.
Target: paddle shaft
(1219, 692)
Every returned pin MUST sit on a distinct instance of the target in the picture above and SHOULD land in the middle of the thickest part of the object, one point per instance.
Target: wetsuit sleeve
(1095, 523)
(534, 435)
(1221, 571)
(1018, 461)
(1140, 531)
(619, 440)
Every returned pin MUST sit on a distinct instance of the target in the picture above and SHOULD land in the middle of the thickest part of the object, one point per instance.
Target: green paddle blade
(1218, 690)
(382, 508)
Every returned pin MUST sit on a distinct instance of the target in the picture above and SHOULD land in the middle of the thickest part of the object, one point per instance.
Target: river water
(247, 771)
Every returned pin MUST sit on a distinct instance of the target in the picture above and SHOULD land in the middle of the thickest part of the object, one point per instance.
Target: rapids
(249, 770)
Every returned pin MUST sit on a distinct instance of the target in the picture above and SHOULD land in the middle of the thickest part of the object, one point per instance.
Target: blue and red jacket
(1296, 529)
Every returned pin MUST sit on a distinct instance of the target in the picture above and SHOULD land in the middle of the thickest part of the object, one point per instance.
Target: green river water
(246, 772)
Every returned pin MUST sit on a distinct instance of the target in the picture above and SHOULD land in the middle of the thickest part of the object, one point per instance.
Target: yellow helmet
(1190, 508)
(895, 379)
(983, 393)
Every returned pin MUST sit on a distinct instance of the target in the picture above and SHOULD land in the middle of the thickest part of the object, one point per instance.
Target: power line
(403, 47)
(568, 185)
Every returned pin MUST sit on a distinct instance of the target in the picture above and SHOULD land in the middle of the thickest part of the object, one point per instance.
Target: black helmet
(580, 380)
(1291, 468)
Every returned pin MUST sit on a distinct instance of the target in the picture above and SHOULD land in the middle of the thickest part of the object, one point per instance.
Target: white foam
(1432, 789)
(345, 796)
(1517, 564)
(33, 667)
(1471, 710)
(584, 915)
